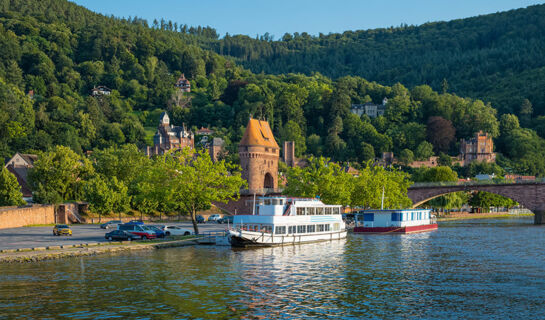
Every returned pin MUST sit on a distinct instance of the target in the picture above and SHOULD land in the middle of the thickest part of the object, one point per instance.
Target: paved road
(29, 237)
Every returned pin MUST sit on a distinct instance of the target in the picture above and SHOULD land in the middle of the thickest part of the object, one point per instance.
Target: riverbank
(489, 215)
(87, 249)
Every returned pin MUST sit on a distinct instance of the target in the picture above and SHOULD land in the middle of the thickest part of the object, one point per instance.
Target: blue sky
(277, 17)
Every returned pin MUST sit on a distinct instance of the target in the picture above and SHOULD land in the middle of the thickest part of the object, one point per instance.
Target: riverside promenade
(39, 237)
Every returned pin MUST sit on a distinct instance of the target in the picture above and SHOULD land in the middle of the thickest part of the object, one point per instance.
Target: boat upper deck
(286, 206)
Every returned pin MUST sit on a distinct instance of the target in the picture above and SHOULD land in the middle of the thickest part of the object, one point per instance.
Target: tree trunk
(194, 220)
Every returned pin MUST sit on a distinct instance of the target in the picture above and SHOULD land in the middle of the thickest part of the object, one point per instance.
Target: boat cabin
(284, 206)
(394, 218)
(284, 215)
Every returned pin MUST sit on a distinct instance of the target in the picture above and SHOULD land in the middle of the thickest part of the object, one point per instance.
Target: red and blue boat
(394, 221)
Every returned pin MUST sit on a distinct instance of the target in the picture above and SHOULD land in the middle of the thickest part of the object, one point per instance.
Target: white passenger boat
(284, 220)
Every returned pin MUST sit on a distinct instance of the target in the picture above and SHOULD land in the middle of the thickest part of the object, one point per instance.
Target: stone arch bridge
(530, 194)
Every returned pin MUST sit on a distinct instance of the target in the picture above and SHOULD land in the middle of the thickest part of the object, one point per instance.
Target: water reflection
(485, 269)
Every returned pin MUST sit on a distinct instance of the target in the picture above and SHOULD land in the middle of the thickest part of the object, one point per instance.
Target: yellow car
(62, 230)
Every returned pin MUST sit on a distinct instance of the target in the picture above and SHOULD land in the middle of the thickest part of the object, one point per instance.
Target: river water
(477, 269)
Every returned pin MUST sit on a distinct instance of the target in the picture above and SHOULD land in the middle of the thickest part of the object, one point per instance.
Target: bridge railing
(475, 182)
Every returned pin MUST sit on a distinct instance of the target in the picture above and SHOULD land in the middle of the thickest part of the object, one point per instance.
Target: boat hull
(252, 239)
(403, 230)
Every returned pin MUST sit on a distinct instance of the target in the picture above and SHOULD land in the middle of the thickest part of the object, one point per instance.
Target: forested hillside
(496, 57)
(60, 51)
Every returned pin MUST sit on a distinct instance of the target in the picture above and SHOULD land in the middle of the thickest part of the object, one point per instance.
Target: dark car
(110, 224)
(135, 222)
(200, 219)
(120, 235)
(226, 219)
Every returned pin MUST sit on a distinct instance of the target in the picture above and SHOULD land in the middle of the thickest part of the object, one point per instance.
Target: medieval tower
(259, 154)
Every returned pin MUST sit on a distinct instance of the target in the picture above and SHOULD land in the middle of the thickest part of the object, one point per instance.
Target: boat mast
(253, 207)
(382, 200)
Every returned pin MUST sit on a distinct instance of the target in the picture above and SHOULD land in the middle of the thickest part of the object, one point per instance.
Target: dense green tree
(374, 181)
(424, 150)
(10, 191)
(366, 152)
(486, 200)
(292, 132)
(106, 195)
(124, 163)
(57, 175)
(435, 174)
(525, 112)
(440, 133)
(321, 178)
(508, 123)
(406, 156)
(195, 181)
(453, 200)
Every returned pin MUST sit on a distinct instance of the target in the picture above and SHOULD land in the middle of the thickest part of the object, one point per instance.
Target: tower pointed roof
(258, 133)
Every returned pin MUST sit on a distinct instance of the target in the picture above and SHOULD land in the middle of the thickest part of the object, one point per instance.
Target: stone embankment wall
(13, 217)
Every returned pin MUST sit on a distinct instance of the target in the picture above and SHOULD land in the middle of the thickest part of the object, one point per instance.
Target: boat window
(266, 229)
(396, 216)
(412, 215)
(281, 201)
(275, 202)
(326, 227)
(320, 211)
(311, 211)
(320, 228)
(300, 211)
(336, 226)
(311, 228)
(267, 202)
(368, 217)
(280, 230)
(301, 229)
(338, 210)
(291, 229)
(327, 210)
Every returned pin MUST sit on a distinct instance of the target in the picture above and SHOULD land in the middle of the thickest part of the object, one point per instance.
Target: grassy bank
(58, 252)
(484, 216)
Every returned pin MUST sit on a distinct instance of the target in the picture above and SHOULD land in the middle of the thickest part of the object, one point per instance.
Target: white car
(177, 231)
(214, 217)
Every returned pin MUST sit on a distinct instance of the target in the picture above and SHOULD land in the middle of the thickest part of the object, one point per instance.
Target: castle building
(370, 109)
(216, 148)
(259, 154)
(183, 84)
(478, 148)
(289, 154)
(170, 137)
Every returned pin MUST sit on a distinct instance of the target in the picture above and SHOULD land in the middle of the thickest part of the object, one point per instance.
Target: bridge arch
(529, 194)
(419, 203)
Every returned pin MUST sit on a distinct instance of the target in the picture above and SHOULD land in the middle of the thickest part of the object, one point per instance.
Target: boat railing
(210, 236)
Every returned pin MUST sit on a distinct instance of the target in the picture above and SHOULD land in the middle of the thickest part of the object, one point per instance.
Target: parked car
(110, 224)
(137, 230)
(214, 218)
(120, 235)
(135, 222)
(200, 219)
(177, 231)
(158, 232)
(226, 219)
(62, 230)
